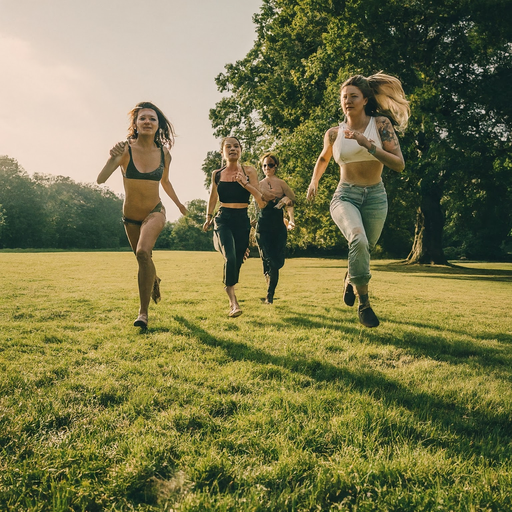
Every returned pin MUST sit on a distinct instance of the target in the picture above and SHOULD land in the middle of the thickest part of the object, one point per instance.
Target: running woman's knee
(143, 255)
(358, 238)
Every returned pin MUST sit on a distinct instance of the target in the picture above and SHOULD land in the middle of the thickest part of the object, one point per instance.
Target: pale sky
(71, 70)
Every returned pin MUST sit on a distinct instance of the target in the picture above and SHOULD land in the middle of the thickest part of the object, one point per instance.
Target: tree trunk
(427, 246)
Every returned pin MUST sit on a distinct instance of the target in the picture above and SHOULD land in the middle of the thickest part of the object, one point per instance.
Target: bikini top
(231, 191)
(346, 151)
(133, 174)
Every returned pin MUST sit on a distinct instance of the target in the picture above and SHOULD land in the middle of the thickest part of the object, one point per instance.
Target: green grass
(289, 407)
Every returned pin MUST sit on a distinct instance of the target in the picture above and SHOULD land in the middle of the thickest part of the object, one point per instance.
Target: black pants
(231, 239)
(272, 244)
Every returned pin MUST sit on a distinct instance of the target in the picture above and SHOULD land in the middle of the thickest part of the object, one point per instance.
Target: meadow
(290, 407)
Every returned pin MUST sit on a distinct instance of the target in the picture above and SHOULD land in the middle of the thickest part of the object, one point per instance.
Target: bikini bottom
(159, 208)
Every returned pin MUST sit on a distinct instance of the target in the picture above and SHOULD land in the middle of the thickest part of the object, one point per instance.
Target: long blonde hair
(385, 96)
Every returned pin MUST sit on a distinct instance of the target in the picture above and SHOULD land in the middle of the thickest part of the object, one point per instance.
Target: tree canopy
(454, 60)
(54, 212)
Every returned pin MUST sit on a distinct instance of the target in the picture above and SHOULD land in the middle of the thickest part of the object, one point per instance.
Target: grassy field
(292, 407)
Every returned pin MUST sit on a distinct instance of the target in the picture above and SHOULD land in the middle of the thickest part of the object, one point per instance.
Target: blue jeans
(360, 213)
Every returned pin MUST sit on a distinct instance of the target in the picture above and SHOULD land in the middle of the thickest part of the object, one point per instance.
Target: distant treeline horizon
(57, 213)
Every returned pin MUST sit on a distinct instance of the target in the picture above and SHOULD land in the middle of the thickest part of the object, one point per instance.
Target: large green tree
(454, 59)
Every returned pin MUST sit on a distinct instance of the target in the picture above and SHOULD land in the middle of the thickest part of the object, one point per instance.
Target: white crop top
(346, 151)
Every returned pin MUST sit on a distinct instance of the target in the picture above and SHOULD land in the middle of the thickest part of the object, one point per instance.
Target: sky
(71, 70)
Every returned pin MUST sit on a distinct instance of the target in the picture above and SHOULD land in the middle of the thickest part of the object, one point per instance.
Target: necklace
(360, 130)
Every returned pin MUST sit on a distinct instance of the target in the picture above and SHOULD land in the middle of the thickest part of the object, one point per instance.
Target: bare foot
(235, 311)
(142, 321)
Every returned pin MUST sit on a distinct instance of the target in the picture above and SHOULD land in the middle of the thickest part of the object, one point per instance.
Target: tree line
(454, 60)
(55, 212)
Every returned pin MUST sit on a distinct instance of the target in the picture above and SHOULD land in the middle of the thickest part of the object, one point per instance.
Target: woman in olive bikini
(144, 160)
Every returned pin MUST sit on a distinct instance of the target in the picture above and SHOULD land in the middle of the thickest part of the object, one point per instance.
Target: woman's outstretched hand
(241, 178)
(312, 191)
(118, 149)
(284, 201)
(357, 136)
(207, 223)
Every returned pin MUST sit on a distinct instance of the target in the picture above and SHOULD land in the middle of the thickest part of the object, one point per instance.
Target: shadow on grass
(451, 271)
(500, 337)
(433, 346)
(456, 352)
(478, 432)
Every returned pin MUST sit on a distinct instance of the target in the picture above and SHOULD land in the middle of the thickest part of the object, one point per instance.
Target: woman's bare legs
(142, 240)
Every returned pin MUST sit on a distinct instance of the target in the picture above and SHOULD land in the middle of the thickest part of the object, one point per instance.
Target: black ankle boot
(366, 315)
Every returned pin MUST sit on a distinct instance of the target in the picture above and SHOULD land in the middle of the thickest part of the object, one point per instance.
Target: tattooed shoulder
(386, 131)
(332, 134)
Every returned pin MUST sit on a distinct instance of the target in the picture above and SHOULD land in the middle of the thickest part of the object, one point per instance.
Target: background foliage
(454, 60)
(54, 212)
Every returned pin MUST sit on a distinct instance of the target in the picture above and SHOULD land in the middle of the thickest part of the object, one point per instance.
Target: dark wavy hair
(385, 96)
(223, 141)
(165, 134)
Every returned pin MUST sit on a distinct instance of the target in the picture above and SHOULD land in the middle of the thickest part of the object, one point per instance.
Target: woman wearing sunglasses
(272, 227)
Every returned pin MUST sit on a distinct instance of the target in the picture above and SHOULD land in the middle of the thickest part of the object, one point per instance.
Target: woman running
(233, 185)
(271, 230)
(362, 145)
(144, 160)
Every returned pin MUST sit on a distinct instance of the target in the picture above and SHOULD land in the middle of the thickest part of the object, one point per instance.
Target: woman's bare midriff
(140, 198)
(363, 174)
(234, 205)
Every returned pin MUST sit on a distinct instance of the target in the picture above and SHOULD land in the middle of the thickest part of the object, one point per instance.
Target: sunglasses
(270, 166)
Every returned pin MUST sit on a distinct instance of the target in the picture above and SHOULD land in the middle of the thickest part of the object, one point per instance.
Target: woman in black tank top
(233, 185)
(272, 228)
(144, 162)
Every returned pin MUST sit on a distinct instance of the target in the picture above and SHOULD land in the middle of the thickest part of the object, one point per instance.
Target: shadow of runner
(446, 270)
(433, 346)
(479, 433)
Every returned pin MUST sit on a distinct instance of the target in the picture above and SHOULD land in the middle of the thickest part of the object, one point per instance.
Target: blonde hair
(385, 96)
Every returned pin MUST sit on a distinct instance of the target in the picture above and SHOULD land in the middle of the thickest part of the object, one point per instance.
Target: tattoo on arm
(387, 134)
(333, 134)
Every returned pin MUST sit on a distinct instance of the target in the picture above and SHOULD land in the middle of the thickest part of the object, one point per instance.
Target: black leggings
(231, 239)
(272, 244)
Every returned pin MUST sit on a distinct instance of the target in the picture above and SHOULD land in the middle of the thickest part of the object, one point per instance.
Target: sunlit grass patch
(293, 406)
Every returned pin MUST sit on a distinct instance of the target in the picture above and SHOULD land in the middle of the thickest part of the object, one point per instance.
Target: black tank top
(231, 191)
(133, 174)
